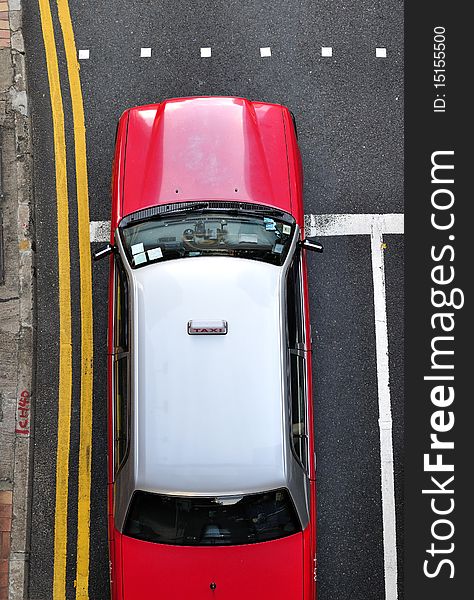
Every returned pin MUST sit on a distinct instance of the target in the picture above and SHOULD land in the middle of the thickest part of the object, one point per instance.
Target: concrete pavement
(16, 307)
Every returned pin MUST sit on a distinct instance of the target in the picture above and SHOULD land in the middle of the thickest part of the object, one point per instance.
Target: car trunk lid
(254, 571)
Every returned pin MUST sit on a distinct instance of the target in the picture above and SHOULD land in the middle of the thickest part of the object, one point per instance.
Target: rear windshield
(210, 233)
(218, 521)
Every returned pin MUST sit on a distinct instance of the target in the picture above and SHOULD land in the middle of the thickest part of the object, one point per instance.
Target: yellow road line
(64, 268)
(85, 442)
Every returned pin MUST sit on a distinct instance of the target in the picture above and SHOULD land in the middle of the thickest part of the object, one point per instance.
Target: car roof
(209, 413)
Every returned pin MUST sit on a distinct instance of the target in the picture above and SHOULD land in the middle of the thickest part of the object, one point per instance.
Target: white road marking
(315, 225)
(359, 224)
(385, 413)
(326, 51)
(375, 225)
(99, 231)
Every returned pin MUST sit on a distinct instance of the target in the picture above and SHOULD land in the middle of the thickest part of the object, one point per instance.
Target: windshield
(218, 521)
(202, 233)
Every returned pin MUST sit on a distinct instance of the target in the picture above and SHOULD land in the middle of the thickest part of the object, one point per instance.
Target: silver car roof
(209, 410)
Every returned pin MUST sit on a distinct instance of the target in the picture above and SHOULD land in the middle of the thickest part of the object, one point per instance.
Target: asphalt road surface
(349, 109)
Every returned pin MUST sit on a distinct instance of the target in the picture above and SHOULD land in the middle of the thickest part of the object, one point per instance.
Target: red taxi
(211, 471)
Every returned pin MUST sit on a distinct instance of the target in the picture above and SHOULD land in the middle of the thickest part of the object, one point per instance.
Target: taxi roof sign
(207, 327)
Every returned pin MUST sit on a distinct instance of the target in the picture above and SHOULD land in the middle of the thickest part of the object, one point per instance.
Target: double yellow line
(65, 341)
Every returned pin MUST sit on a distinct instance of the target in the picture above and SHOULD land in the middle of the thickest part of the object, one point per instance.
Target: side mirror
(309, 245)
(104, 251)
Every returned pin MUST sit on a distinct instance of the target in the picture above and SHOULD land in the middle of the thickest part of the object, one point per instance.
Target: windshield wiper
(152, 214)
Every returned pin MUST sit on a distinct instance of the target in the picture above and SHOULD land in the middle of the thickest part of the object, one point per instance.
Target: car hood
(255, 571)
(211, 148)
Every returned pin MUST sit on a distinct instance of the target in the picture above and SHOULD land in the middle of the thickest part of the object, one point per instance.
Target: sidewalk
(16, 307)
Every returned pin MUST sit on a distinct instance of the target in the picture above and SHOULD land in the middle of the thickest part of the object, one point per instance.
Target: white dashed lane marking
(375, 225)
(326, 51)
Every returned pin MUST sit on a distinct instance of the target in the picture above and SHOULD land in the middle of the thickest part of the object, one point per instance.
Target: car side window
(121, 409)
(299, 420)
(294, 305)
(121, 308)
(121, 366)
(297, 361)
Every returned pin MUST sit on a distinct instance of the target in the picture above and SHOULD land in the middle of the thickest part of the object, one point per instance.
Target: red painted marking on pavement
(23, 413)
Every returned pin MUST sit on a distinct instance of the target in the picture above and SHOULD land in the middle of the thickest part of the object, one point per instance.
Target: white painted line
(385, 413)
(381, 52)
(315, 225)
(205, 52)
(265, 52)
(376, 226)
(83, 54)
(99, 231)
(145, 52)
(326, 51)
(358, 224)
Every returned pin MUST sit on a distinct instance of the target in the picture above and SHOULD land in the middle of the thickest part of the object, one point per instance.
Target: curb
(18, 204)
